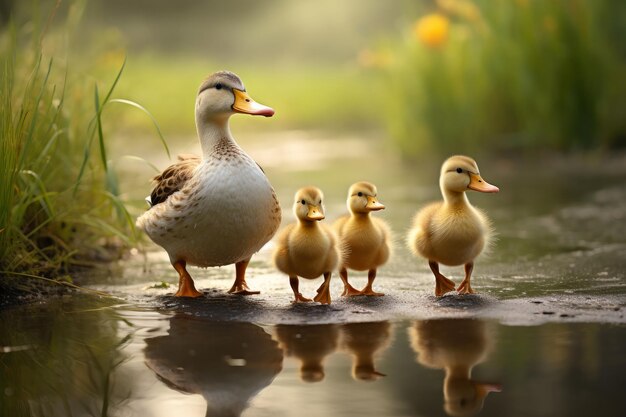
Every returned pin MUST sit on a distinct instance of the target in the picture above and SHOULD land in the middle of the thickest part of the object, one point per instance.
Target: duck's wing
(173, 178)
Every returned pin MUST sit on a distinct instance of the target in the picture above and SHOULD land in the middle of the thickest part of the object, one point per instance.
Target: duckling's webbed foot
(186, 288)
(240, 287)
(464, 287)
(442, 284)
(348, 290)
(371, 276)
(323, 292)
(299, 298)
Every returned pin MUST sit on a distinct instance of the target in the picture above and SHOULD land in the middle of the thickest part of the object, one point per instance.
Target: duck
(219, 208)
(456, 346)
(367, 239)
(453, 232)
(229, 369)
(308, 248)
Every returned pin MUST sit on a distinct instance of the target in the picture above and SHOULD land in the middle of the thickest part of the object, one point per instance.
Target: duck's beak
(479, 184)
(244, 104)
(482, 389)
(373, 204)
(315, 213)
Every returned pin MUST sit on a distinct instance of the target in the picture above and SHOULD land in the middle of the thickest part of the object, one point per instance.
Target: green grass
(513, 76)
(61, 205)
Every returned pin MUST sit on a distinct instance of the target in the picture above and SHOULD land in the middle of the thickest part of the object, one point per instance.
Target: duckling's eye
(218, 86)
(320, 203)
(459, 170)
(303, 202)
(360, 194)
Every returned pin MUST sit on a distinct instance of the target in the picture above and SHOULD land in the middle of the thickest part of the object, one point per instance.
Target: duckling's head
(308, 206)
(465, 397)
(223, 94)
(362, 198)
(460, 173)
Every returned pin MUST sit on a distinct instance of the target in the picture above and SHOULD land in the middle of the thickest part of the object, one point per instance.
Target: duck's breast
(226, 212)
(458, 236)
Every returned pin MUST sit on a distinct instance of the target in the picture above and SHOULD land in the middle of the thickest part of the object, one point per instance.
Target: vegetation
(60, 202)
(510, 75)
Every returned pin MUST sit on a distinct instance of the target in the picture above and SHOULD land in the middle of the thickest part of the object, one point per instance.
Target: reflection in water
(227, 363)
(363, 341)
(310, 344)
(456, 346)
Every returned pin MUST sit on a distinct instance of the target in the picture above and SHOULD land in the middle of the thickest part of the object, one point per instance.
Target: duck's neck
(361, 216)
(308, 225)
(455, 199)
(211, 132)
(458, 372)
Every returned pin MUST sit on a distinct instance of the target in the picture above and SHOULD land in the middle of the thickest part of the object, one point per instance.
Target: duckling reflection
(364, 341)
(311, 344)
(455, 345)
(227, 363)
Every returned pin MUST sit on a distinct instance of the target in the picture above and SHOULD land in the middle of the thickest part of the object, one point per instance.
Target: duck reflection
(456, 346)
(310, 344)
(363, 341)
(227, 363)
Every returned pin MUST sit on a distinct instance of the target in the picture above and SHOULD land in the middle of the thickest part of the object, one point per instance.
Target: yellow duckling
(308, 248)
(367, 239)
(453, 232)
(218, 209)
(456, 346)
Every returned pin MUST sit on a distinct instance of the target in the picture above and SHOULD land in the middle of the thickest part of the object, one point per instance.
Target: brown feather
(173, 178)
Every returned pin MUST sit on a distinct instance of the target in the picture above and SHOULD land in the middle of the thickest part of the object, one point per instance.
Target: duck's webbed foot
(465, 287)
(371, 275)
(323, 292)
(442, 284)
(240, 287)
(186, 287)
(298, 297)
(348, 290)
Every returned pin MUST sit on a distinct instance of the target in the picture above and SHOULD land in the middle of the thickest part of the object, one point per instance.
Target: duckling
(456, 346)
(311, 345)
(308, 248)
(367, 239)
(453, 232)
(366, 341)
(218, 209)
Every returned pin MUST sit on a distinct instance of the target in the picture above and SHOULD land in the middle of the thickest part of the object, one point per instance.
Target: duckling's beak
(315, 213)
(482, 389)
(479, 184)
(244, 104)
(373, 204)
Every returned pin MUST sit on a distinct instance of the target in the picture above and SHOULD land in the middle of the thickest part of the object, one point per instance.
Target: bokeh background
(360, 88)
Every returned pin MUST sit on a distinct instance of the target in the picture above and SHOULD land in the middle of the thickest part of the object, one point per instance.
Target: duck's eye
(360, 194)
(459, 170)
(320, 203)
(303, 202)
(218, 86)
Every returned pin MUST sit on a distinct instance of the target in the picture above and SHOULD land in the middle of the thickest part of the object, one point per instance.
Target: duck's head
(464, 397)
(223, 94)
(362, 198)
(460, 173)
(308, 205)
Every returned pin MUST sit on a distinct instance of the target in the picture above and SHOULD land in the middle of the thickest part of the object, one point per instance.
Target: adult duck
(217, 209)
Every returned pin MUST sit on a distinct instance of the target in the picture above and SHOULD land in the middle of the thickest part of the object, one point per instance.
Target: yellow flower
(432, 30)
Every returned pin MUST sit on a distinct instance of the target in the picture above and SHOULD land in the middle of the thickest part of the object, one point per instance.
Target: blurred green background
(420, 79)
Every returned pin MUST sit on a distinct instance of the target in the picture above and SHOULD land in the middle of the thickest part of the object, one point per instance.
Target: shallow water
(544, 336)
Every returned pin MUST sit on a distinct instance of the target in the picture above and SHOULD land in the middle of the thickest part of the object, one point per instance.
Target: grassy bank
(514, 75)
(61, 206)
